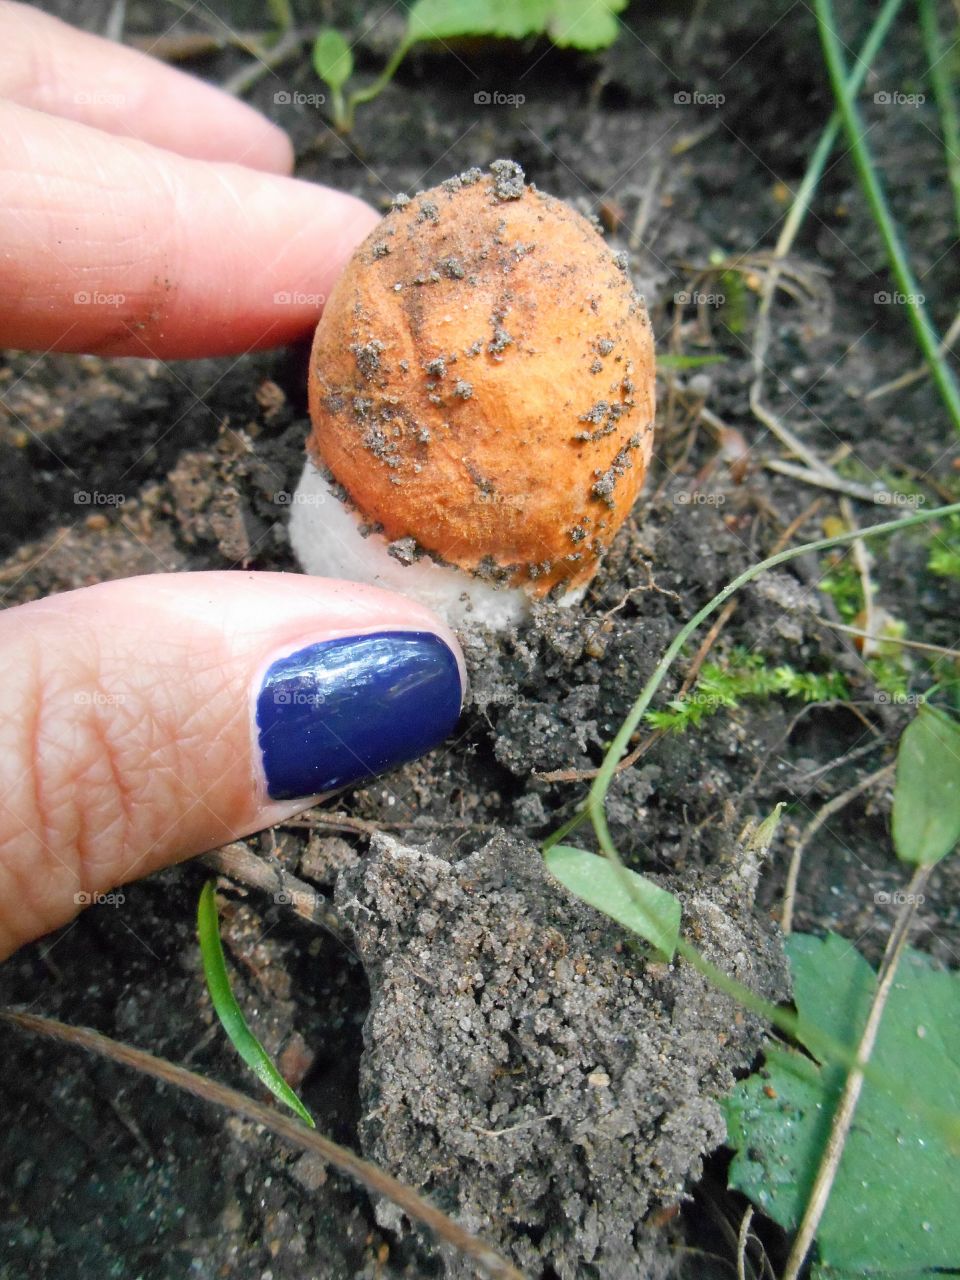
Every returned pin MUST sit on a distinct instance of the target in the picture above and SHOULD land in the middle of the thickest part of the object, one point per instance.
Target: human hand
(122, 178)
(149, 719)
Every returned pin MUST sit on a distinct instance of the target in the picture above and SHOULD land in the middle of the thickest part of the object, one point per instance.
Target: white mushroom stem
(326, 537)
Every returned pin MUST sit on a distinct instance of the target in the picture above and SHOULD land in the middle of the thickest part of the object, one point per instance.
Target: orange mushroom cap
(482, 382)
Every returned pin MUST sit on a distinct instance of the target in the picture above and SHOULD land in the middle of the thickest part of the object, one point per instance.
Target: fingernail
(345, 710)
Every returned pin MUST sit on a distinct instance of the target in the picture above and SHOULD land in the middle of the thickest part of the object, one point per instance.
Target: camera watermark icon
(898, 898)
(686, 299)
(294, 898)
(288, 98)
(94, 498)
(284, 498)
(99, 98)
(83, 899)
(696, 498)
(97, 698)
(885, 499)
(494, 98)
(97, 298)
(694, 98)
(897, 299)
(298, 698)
(296, 298)
(894, 98)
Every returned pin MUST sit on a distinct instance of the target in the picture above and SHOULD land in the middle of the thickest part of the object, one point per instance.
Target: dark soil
(105, 1174)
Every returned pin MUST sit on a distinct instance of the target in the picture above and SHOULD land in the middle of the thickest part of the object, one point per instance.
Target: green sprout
(229, 1012)
(580, 24)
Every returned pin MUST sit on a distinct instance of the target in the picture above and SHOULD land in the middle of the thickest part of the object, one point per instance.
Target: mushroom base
(327, 541)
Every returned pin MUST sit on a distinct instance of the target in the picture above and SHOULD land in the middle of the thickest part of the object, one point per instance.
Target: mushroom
(482, 397)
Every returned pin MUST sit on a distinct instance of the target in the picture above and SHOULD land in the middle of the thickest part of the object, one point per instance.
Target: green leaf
(630, 899)
(228, 1011)
(584, 24)
(332, 59)
(893, 1207)
(926, 797)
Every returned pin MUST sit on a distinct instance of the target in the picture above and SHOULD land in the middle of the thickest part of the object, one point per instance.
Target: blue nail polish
(347, 709)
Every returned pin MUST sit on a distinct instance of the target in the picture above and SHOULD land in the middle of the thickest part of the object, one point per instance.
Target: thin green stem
(926, 335)
(383, 79)
(618, 748)
(342, 117)
(828, 139)
(943, 92)
(281, 13)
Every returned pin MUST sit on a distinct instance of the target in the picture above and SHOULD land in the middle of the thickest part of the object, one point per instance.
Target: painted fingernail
(347, 709)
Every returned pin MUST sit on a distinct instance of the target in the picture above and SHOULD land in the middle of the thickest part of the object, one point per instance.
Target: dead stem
(862, 561)
(843, 1116)
(832, 482)
(921, 371)
(901, 640)
(238, 863)
(829, 809)
(346, 1161)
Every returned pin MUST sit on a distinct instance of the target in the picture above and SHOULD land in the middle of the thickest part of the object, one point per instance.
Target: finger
(149, 719)
(116, 247)
(50, 66)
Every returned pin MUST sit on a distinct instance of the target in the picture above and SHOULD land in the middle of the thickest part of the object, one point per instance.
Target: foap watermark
(97, 298)
(98, 698)
(94, 498)
(894, 98)
(696, 498)
(899, 699)
(494, 98)
(898, 898)
(296, 298)
(299, 698)
(295, 898)
(83, 899)
(284, 498)
(696, 299)
(897, 299)
(694, 98)
(99, 98)
(885, 499)
(293, 98)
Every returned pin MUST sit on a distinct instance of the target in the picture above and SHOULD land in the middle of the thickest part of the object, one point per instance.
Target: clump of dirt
(536, 1076)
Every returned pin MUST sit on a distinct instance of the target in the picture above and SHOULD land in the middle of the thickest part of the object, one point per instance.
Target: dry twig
(829, 809)
(290, 1130)
(847, 1105)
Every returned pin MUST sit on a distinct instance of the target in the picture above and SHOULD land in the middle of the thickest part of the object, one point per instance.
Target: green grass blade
(828, 139)
(229, 1012)
(927, 337)
(943, 92)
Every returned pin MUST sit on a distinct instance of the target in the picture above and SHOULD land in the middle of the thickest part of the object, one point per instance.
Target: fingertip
(286, 156)
(130, 250)
(271, 148)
